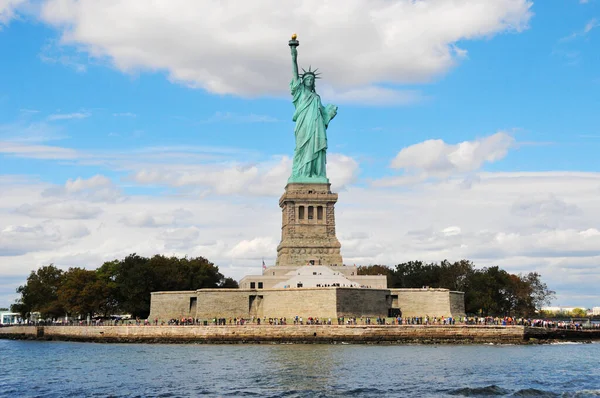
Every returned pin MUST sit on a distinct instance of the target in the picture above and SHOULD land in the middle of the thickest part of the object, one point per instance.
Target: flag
(264, 266)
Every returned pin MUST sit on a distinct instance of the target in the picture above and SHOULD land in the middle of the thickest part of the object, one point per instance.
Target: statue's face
(309, 81)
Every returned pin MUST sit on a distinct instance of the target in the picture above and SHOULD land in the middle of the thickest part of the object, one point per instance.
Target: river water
(60, 369)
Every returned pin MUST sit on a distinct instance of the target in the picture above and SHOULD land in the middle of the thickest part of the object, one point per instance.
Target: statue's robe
(312, 119)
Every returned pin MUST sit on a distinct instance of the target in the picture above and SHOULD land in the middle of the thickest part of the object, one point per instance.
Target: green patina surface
(312, 119)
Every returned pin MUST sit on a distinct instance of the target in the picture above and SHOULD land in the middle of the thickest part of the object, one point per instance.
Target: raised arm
(294, 48)
(294, 61)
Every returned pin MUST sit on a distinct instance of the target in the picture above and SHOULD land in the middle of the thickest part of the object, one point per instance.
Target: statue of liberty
(312, 119)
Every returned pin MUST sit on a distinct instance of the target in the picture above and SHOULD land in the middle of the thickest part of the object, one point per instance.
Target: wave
(533, 392)
(568, 342)
(583, 394)
(480, 391)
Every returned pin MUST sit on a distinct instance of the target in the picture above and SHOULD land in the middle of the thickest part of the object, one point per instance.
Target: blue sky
(466, 129)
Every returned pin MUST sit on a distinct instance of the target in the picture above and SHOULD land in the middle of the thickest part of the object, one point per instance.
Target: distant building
(9, 318)
(596, 311)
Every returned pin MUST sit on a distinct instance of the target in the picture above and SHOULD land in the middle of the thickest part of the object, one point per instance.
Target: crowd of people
(299, 320)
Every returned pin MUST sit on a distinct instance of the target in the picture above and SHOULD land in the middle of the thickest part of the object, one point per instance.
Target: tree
(455, 276)
(40, 293)
(416, 274)
(82, 292)
(135, 282)
(540, 294)
(578, 313)
(107, 274)
(228, 283)
(136, 277)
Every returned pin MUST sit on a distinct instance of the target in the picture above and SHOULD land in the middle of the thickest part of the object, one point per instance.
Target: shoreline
(302, 334)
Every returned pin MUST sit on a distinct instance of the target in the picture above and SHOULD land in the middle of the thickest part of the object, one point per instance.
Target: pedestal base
(308, 226)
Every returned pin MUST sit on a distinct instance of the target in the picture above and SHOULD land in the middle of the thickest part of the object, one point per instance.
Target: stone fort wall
(169, 305)
(306, 302)
(431, 302)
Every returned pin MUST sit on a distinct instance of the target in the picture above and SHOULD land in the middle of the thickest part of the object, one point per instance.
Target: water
(59, 369)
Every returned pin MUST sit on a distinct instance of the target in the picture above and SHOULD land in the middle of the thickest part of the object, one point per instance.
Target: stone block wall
(308, 302)
(168, 305)
(305, 239)
(362, 303)
(224, 303)
(457, 304)
(431, 302)
(305, 302)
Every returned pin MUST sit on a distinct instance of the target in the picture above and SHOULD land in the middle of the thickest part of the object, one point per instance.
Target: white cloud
(8, 10)
(593, 23)
(180, 238)
(151, 218)
(437, 158)
(255, 249)
(213, 46)
(263, 178)
(342, 170)
(16, 240)
(589, 26)
(60, 210)
(53, 53)
(24, 131)
(37, 151)
(124, 114)
(546, 222)
(546, 211)
(96, 188)
(69, 116)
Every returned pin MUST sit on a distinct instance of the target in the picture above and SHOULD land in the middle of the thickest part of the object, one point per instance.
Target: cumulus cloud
(211, 44)
(16, 240)
(95, 188)
(263, 178)
(437, 158)
(254, 248)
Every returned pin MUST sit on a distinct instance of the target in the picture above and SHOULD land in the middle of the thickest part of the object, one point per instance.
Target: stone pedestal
(308, 226)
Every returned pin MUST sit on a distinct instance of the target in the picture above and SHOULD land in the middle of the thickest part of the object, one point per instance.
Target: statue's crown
(310, 72)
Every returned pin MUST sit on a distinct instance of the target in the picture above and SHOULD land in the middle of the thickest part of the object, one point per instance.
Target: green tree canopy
(116, 286)
(488, 291)
(40, 293)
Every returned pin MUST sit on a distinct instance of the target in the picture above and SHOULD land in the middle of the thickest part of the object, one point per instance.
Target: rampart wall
(307, 302)
(360, 303)
(167, 305)
(431, 302)
(223, 303)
